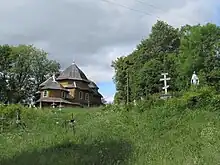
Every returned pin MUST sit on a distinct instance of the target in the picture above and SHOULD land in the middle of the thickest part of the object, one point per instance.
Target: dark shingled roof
(93, 85)
(48, 81)
(95, 92)
(53, 85)
(74, 73)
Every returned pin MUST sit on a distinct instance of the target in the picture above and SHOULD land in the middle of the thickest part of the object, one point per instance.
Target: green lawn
(159, 136)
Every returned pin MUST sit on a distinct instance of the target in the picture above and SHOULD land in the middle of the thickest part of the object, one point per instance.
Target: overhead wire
(137, 10)
(150, 5)
(129, 8)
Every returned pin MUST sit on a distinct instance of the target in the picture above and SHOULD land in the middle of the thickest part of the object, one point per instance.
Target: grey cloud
(78, 29)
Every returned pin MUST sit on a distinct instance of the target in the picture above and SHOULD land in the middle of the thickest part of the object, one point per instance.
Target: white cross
(73, 62)
(54, 78)
(53, 105)
(165, 79)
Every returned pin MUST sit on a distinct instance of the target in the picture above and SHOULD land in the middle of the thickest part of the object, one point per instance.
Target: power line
(155, 7)
(132, 9)
(136, 10)
(145, 3)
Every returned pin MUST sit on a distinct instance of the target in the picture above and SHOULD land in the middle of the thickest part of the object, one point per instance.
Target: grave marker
(165, 79)
(18, 122)
(53, 105)
(71, 124)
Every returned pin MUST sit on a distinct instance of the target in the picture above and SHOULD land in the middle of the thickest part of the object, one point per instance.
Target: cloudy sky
(95, 32)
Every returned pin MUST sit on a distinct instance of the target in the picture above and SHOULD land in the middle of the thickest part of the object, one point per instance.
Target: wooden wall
(53, 93)
(75, 93)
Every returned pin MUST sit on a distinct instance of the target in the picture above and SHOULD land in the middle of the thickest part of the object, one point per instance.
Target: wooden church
(71, 88)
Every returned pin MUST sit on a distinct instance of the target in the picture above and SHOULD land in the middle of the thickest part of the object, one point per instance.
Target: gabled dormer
(51, 88)
(48, 81)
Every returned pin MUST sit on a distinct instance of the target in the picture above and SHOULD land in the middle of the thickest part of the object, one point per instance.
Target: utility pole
(127, 87)
(128, 63)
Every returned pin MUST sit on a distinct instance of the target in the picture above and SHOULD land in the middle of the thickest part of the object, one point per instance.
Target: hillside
(165, 133)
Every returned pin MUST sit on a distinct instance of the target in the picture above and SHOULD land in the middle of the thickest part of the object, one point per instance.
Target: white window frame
(86, 96)
(45, 93)
(80, 95)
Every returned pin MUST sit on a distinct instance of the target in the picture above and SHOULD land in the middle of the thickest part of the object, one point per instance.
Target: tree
(5, 65)
(119, 79)
(200, 47)
(28, 68)
(147, 63)
(176, 51)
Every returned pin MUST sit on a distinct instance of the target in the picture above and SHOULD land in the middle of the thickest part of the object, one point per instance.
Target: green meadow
(176, 132)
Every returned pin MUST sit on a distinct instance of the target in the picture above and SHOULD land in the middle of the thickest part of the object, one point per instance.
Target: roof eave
(53, 89)
(66, 78)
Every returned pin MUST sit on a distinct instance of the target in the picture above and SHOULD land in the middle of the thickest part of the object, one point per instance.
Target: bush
(214, 103)
(141, 105)
(196, 98)
(28, 116)
(9, 111)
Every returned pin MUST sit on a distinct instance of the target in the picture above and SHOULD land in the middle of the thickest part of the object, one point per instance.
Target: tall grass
(172, 133)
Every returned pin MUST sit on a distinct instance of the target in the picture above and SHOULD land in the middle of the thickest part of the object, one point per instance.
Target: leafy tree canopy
(22, 70)
(176, 51)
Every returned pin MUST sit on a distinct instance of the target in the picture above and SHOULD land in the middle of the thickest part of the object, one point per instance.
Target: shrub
(193, 98)
(196, 98)
(9, 111)
(214, 103)
(28, 116)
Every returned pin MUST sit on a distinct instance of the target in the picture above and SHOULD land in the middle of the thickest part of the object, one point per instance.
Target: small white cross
(53, 105)
(54, 78)
(165, 79)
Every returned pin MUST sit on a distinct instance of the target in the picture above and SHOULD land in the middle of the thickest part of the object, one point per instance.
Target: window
(87, 96)
(63, 94)
(45, 94)
(80, 95)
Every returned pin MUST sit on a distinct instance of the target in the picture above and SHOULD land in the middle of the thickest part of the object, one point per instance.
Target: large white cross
(165, 79)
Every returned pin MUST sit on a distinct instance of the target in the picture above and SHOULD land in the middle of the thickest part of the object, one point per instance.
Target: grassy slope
(157, 136)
